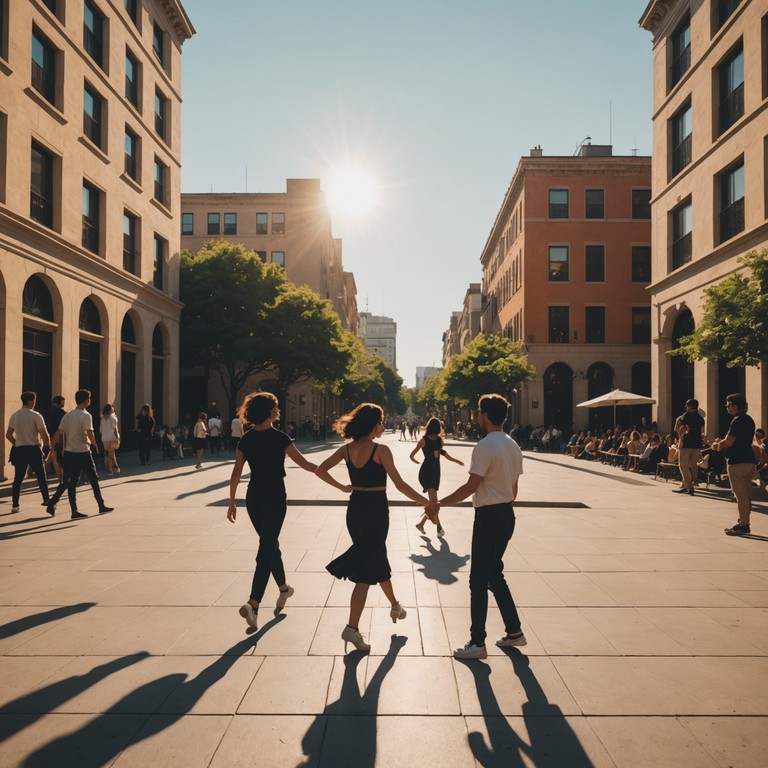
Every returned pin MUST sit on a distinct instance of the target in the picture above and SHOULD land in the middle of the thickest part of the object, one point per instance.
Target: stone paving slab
(121, 644)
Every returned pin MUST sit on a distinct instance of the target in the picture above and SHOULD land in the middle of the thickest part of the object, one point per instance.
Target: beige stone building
(451, 345)
(710, 192)
(291, 228)
(379, 335)
(90, 98)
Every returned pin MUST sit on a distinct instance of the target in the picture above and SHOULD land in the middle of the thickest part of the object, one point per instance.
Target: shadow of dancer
(440, 564)
(96, 744)
(553, 743)
(332, 740)
(44, 617)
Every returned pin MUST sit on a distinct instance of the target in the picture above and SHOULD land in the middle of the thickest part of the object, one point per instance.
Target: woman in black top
(431, 445)
(265, 449)
(145, 426)
(365, 562)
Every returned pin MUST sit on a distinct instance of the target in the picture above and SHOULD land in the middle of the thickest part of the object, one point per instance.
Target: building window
(93, 106)
(131, 154)
(732, 202)
(214, 224)
(682, 226)
(129, 242)
(558, 203)
(261, 223)
(132, 79)
(595, 204)
(731, 81)
(158, 259)
(595, 325)
(641, 264)
(724, 10)
(187, 224)
(682, 128)
(161, 114)
(161, 177)
(558, 263)
(262, 255)
(132, 9)
(681, 52)
(595, 263)
(558, 325)
(43, 67)
(158, 43)
(51, 6)
(278, 223)
(278, 257)
(641, 325)
(90, 217)
(93, 33)
(41, 187)
(641, 203)
(230, 223)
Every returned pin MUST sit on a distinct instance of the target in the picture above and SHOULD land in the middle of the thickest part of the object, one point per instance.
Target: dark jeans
(491, 532)
(72, 465)
(267, 513)
(145, 446)
(25, 456)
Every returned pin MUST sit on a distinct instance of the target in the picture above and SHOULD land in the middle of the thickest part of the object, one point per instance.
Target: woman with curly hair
(365, 562)
(265, 449)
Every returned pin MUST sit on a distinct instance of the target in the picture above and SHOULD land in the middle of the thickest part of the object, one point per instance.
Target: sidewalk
(121, 642)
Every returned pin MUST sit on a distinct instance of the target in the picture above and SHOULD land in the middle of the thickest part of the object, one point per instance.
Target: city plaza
(122, 645)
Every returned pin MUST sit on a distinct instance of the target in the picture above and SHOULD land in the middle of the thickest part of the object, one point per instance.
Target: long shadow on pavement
(553, 744)
(340, 736)
(44, 617)
(440, 564)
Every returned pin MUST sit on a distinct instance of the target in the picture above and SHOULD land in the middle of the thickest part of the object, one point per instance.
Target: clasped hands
(431, 509)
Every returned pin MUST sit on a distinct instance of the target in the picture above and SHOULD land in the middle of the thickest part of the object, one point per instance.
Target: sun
(352, 193)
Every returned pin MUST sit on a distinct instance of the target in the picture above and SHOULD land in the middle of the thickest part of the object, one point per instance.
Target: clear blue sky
(438, 98)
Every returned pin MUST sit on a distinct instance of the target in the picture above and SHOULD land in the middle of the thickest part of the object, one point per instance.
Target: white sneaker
(14, 509)
(471, 651)
(440, 533)
(283, 599)
(250, 615)
(512, 639)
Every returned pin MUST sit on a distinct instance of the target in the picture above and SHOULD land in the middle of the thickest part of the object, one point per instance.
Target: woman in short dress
(110, 438)
(431, 445)
(200, 437)
(365, 562)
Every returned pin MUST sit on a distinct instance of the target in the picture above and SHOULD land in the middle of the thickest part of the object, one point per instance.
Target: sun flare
(351, 193)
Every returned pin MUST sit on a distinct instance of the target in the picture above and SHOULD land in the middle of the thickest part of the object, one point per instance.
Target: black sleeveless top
(370, 475)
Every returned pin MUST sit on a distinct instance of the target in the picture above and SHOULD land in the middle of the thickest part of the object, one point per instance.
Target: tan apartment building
(379, 335)
(451, 345)
(565, 271)
(710, 193)
(292, 229)
(471, 315)
(90, 95)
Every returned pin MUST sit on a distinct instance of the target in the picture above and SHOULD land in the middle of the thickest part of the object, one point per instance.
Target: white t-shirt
(214, 426)
(497, 458)
(200, 430)
(75, 424)
(26, 425)
(108, 428)
(236, 427)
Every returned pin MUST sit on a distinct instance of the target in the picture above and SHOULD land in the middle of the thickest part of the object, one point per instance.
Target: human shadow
(553, 743)
(440, 564)
(96, 743)
(339, 731)
(44, 617)
(60, 525)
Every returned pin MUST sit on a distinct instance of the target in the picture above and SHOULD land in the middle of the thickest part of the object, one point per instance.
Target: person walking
(265, 449)
(145, 426)
(76, 429)
(496, 465)
(215, 428)
(365, 562)
(26, 431)
(690, 428)
(110, 438)
(52, 420)
(200, 437)
(431, 445)
(235, 432)
(737, 445)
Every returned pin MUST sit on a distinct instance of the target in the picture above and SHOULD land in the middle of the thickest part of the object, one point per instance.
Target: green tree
(228, 295)
(488, 364)
(734, 327)
(393, 401)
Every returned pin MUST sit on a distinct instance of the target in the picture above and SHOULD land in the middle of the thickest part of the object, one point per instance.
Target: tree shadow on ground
(440, 564)
(344, 734)
(44, 617)
(553, 743)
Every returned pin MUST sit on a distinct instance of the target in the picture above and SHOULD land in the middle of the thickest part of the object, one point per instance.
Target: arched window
(37, 348)
(558, 396)
(36, 300)
(90, 355)
(681, 370)
(90, 320)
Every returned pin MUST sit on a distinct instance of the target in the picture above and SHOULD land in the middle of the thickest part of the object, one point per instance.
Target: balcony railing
(681, 155)
(731, 108)
(681, 64)
(41, 209)
(681, 251)
(732, 220)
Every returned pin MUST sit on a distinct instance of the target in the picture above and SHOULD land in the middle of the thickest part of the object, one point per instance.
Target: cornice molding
(655, 13)
(176, 14)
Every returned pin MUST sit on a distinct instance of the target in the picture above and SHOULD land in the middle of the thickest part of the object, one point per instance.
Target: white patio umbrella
(617, 397)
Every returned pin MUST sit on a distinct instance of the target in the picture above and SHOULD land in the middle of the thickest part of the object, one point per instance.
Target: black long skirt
(365, 562)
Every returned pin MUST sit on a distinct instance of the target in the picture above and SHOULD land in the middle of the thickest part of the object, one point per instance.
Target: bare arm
(45, 437)
(385, 457)
(56, 437)
(418, 447)
(294, 453)
(332, 461)
(725, 442)
(234, 480)
(461, 493)
(9, 436)
(92, 438)
(450, 458)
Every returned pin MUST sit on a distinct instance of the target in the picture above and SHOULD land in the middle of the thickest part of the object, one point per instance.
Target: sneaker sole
(517, 642)
(244, 613)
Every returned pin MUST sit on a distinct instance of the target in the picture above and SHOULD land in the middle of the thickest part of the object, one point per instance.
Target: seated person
(672, 449)
(590, 447)
(633, 447)
(653, 454)
(173, 445)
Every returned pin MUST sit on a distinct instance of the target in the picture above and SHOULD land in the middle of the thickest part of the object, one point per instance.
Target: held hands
(346, 489)
(431, 509)
(232, 512)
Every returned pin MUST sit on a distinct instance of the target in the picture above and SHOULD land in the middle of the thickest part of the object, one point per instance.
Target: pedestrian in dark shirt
(690, 427)
(145, 426)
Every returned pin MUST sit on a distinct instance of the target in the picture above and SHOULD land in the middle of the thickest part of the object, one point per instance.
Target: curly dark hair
(256, 407)
(434, 427)
(360, 422)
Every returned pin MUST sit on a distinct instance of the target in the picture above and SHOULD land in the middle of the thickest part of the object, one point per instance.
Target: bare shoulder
(383, 452)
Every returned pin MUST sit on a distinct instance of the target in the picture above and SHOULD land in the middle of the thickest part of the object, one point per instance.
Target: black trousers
(491, 532)
(72, 465)
(25, 456)
(267, 513)
(145, 447)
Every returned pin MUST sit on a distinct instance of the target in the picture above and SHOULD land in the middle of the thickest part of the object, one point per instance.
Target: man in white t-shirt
(235, 432)
(214, 431)
(76, 429)
(496, 465)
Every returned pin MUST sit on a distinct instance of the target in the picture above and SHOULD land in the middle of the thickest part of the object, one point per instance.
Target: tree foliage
(734, 327)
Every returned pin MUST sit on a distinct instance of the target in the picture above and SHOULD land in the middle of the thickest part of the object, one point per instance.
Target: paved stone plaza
(121, 641)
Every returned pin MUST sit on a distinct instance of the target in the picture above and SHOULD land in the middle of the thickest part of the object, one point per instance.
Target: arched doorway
(90, 356)
(158, 374)
(128, 409)
(729, 380)
(37, 351)
(681, 370)
(599, 382)
(558, 396)
(641, 385)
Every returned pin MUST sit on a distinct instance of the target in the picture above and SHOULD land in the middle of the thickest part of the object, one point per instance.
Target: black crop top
(370, 475)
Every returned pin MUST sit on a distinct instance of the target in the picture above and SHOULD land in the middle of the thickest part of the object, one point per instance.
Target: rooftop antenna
(246, 179)
(610, 123)
(634, 149)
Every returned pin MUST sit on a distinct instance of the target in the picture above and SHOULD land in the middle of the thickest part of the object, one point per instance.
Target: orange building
(565, 270)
